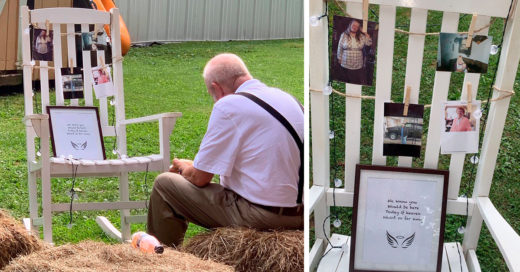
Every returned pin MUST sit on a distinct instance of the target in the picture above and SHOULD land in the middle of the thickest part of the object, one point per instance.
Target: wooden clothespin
(365, 16)
(469, 107)
(47, 26)
(102, 64)
(407, 100)
(471, 30)
(71, 65)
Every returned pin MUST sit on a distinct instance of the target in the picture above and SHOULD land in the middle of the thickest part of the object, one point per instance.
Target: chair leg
(124, 196)
(33, 201)
(46, 205)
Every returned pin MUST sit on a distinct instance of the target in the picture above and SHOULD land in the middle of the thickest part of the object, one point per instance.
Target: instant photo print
(42, 48)
(353, 52)
(402, 134)
(454, 56)
(72, 83)
(460, 128)
(102, 81)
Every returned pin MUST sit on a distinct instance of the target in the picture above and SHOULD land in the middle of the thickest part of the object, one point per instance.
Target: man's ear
(217, 90)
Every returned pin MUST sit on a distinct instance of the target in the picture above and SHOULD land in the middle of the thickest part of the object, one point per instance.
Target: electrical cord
(72, 191)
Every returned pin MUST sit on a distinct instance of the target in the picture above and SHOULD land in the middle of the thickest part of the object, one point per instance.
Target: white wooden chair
(480, 207)
(37, 123)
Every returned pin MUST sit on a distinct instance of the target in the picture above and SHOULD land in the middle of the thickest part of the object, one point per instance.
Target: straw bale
(250, 250)
(97, 256)
(15, 240)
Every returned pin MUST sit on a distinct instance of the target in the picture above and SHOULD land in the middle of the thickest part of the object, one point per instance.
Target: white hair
(224, 69)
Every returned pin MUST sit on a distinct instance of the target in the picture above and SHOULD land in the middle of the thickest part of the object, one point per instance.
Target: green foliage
(164, 78)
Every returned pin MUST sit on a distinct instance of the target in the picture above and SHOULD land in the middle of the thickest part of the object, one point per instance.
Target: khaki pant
(175, 201)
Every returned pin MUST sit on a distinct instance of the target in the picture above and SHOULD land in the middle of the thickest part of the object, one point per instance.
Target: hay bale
(14, 239)
(97, 256)
(250, 250)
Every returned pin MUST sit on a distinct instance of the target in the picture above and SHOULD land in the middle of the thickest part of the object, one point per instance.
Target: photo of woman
(42, 45)
(459, 123)
(353, 51)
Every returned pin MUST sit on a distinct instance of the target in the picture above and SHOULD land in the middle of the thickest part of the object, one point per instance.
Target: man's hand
(195, 176)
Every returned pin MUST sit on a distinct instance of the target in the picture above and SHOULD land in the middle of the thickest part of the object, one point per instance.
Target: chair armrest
(506, 238)
(151, 118)
(34, 121)
(316, 193)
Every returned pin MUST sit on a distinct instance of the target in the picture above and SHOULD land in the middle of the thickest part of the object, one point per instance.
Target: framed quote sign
(76, 132)
(398, 219)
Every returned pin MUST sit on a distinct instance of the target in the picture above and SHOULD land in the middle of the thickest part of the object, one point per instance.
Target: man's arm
(185, 168)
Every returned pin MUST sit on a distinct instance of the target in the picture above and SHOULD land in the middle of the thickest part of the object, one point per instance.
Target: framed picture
(42, 48)
(353, 51)
(459, 129)
(398, 219)
(72, 83)
(76, 132)
(454, 56)
(403, 134)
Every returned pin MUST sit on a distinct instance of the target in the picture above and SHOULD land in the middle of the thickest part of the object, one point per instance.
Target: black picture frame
(72, 108)
(442, 175)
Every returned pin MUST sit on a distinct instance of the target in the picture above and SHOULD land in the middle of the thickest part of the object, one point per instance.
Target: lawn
(160, 78)
(506, 183)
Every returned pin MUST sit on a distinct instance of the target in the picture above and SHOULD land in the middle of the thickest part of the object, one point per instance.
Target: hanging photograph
(76, 132)
(42, 48)
(102, 81)
(403, 134)
(94, 43)
(72, 83)
(353, 51)
(460, 129)
(454, 56)
(398, 219)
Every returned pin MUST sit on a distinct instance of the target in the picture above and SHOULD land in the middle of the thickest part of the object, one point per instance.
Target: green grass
(164, 78)
(506, 182)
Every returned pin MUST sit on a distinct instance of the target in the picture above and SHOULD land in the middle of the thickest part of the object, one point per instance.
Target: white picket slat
(414, 62)
(457, 160)
(352, 118)
(441, 86)
(385, 53)
(57, 64)
(455, 257)
(87, 72)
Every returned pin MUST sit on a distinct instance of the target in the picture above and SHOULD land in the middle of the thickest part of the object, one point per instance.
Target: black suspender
(291, 130)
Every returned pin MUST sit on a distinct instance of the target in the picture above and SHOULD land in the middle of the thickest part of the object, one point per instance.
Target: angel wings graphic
(393, 242)
(79, 146)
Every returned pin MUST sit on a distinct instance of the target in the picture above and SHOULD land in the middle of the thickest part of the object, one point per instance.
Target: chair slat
(26, 56)
(58, 62)
(352, 118)
(44, 85)
(87, 72)
(441, 86)
(103, 109)
(71, 52)
(385, 53)
(318, 79)
(414, 62)
(457, 160)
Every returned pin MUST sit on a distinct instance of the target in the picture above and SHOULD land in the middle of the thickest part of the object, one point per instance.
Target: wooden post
(506, 73)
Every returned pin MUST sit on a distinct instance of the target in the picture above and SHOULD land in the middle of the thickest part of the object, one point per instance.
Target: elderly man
(256, 154)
